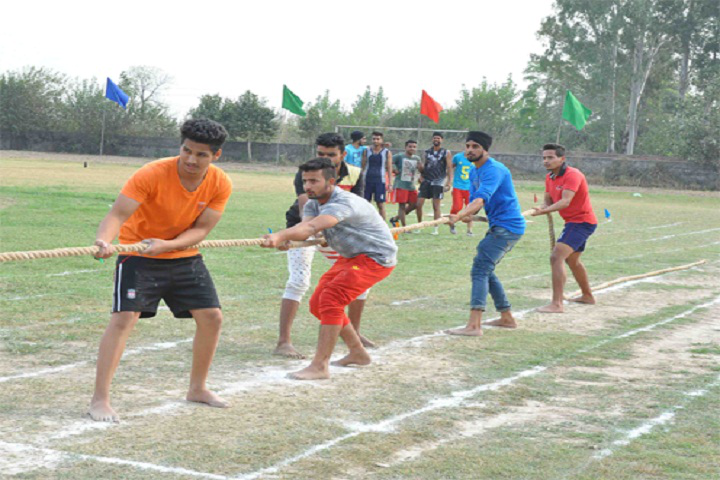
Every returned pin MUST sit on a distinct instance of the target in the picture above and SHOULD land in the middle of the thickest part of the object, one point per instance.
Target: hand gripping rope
(249, 242)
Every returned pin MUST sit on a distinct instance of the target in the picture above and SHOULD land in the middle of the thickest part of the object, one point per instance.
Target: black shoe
(393, 221)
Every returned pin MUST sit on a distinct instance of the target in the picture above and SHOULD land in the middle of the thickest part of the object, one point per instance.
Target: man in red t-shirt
(566, 192)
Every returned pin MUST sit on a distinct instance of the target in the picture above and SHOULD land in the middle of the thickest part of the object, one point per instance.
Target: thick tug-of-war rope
(551, 230)
(139, 247)
(603, 286)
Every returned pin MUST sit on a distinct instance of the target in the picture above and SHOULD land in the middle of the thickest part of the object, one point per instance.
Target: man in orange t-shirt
(566, 192)
(170, 204)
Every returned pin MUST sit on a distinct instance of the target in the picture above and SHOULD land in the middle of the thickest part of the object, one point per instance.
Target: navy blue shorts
(375, 189)
(575, 235)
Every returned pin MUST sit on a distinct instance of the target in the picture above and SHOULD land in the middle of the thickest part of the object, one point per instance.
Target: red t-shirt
(579, 210)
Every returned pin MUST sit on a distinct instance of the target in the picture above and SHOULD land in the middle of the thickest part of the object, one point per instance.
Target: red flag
(535, 197)
(430, 108)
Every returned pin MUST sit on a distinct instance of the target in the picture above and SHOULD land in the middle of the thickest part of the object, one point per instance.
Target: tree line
(648, 69)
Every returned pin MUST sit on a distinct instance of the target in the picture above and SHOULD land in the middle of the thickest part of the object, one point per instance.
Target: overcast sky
(227, 47)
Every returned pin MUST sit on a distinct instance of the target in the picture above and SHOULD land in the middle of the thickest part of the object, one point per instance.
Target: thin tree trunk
(613, 86)
(685, 40)
(249, 147)
(637, 86)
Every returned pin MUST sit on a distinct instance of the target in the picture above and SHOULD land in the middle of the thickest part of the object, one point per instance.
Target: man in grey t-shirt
(367, 252)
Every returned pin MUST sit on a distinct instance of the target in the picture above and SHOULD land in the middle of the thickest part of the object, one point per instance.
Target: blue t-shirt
(493, 183)
(462, 167)
(354, 155)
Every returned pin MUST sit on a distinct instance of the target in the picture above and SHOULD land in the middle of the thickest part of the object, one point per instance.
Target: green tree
(31, 99)
(250, 119)
(370, 108)
(323, 115)
(211, 107)
(150, 115)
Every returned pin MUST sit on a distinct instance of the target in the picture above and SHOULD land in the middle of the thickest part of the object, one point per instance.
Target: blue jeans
(491, 249)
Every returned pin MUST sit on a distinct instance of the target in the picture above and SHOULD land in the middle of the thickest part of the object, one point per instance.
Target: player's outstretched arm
(109, 228)
(299, 232)
(564, 202)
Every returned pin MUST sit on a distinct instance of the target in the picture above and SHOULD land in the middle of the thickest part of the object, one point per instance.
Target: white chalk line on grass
(593, 347)
(667, 237)
(649, 425)
(49, 458)
(74, 272)
(277, 375)
(70, 366)
(30, 297)
(453, 400)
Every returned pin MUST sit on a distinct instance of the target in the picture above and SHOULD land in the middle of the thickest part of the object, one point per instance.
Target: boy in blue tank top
(377, 170)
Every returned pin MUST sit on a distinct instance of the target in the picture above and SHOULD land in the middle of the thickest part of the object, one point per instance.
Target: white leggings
(300, 268)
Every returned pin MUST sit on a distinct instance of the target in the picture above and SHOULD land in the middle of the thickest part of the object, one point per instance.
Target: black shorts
(183, 283)
(431, 191)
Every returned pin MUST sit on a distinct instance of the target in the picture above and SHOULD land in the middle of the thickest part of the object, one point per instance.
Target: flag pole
(102, 131)
(282, 134)
(557, 138)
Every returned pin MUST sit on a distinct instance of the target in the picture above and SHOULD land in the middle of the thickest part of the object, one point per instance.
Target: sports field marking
(73, 272)
(406, 302)
(668, 225)
(446, 402)
(456, 399)
(30, 297)
(685, 234)
(70, 366)
(661, 419)
(277, 375)
(36, 457)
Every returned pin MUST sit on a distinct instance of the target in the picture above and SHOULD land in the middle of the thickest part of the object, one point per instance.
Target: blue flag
(607, 213)
(113, 92)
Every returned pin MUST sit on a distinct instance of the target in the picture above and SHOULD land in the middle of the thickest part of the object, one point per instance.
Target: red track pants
(342, 284)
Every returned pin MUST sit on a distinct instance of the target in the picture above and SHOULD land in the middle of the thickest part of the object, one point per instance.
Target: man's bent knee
(209, 317)
(124, 320)
(296, 290)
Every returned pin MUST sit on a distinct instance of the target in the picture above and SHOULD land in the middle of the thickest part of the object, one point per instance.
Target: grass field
(626, 389)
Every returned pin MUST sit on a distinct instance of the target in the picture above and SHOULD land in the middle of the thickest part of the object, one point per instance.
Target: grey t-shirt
(360, 229)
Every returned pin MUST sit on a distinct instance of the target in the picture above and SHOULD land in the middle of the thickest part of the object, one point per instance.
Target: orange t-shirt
(166, 208)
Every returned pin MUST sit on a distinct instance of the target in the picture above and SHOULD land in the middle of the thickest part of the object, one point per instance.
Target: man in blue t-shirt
(355, 149)
(491, 187)
(461, 167)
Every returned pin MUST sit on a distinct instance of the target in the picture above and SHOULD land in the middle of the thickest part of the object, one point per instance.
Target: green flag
(292, 102)
(575, 112)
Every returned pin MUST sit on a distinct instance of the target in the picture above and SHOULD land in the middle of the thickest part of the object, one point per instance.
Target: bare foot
(366, 342)
(501, 322)
(360, 357)
(466, 331)
(207, 397)
(310, 373)
(551, 308)
(101, 411)
(587, 299)
(287, 350)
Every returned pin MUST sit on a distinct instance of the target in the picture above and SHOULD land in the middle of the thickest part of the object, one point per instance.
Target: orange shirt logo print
(201, 206)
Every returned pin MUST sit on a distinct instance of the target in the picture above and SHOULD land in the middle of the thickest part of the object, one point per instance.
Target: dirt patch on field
(6, 202)
(613, 304)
